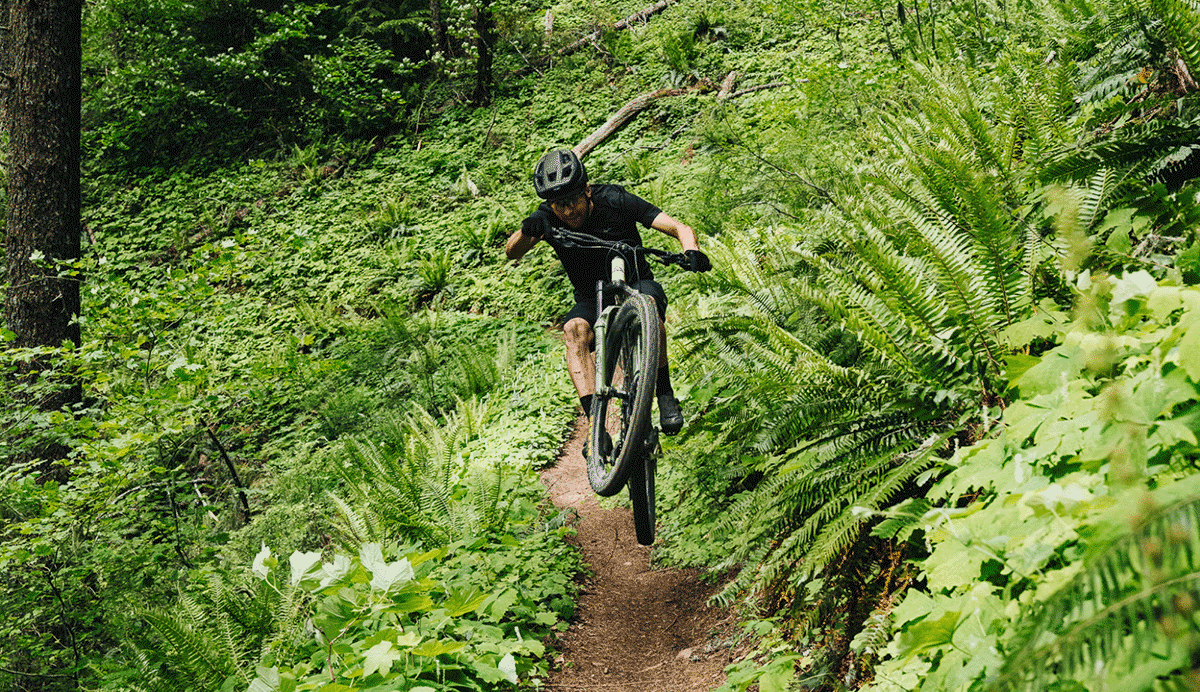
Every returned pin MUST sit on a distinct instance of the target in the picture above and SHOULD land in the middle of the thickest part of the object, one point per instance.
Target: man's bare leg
(581, 361)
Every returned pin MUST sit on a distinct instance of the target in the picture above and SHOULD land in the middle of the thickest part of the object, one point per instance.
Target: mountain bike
(623, 443)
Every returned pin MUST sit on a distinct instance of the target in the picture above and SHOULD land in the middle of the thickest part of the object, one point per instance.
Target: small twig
(175, 518)
(22, 673)
(761, 87)
(529, 65)
(156, 484)
(237, 481)
(62, 606)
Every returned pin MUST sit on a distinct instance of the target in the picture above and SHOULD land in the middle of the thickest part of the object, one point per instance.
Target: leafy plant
(1071, 551)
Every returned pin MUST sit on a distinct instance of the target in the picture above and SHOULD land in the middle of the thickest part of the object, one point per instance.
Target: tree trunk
(42, 119)
(439, 28)
(485, 36)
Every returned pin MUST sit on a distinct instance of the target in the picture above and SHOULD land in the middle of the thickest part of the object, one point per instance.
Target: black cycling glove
(536, 224)
(697, 261)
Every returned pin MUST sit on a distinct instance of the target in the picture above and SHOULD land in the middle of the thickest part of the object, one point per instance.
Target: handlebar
(661, 256)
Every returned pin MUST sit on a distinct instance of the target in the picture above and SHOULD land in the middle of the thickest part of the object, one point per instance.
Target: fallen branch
(760, 87)
(621, 117)
(639, 104)
(625, 23)
(237, 482)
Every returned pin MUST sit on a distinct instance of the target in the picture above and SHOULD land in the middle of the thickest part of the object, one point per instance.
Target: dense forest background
(943, 384)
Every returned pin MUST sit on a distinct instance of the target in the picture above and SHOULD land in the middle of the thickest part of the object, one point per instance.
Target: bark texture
(43, 58)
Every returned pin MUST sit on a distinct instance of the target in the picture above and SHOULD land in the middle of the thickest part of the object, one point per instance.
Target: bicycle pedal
(650, 444)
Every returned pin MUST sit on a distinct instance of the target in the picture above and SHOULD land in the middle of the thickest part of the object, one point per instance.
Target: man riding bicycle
(571, 207)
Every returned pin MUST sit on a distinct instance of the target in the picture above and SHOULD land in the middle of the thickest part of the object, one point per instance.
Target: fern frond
(1131, 596)
(1181, 24)
(355, 529)
(191, 647)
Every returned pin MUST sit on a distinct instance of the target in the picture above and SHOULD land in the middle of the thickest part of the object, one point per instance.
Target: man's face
(573, 210)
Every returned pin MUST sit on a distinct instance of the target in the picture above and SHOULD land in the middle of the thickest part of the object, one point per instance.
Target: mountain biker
(610, 213)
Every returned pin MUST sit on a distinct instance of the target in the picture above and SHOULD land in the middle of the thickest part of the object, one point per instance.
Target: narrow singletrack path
(635, 628)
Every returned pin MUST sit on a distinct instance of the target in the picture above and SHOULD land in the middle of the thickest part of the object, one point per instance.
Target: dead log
(639, 104)
(727, 85)
(625, 23)
(638, 16)
(621, 117)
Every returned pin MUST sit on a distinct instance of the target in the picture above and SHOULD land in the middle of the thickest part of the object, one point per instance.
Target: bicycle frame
(617, 287)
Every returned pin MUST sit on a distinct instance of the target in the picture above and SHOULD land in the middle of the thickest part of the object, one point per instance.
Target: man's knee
(577, 331)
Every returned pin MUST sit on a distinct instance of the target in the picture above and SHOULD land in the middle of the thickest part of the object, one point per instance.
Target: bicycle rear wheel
(641, 491)
(621, 405)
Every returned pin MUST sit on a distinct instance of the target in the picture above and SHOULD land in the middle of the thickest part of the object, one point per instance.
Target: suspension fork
(615, 287)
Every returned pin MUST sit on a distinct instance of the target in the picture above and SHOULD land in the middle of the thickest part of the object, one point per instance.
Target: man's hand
(536, 224)
(697, 261)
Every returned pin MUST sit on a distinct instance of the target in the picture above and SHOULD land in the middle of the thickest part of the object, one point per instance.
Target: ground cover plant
(945, 348)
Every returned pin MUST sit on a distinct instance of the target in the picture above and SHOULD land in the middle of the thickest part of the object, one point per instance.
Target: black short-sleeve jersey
(615, 215)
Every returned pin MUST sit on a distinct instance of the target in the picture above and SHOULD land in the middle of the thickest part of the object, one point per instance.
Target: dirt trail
(635, 629)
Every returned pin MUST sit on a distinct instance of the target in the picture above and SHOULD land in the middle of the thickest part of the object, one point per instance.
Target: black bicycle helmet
(559, 174)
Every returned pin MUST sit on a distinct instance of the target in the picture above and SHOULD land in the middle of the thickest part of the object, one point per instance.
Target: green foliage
(362, 619)
(1073, 560)
(897, 230)
(237, 75)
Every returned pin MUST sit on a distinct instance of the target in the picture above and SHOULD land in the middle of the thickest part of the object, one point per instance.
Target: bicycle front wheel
(621, 405)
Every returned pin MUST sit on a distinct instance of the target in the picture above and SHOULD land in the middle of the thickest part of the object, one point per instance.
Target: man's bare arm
(677, 230)
(518, 244)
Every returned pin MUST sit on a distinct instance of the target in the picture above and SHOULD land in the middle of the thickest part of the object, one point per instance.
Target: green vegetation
(942, 384)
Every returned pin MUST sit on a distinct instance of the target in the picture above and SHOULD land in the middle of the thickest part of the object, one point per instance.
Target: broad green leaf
(928, 633)
(371, 556)
(508, 666)
(777, 675)
(500, 604)
(267, 680)
(916, 604)
(1132, 286)
(1189, 354)
(433, 648)
(383, 575)
(1017, 364)
(409, 603)
(302, 564)
(953, 564)
(337, 570)
(380, 658)
(463, 601)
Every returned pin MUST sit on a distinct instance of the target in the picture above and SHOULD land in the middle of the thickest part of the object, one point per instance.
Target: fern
(922, 275)
(410, 485)
(215, 634)
(1180, 22)
(1133, 599)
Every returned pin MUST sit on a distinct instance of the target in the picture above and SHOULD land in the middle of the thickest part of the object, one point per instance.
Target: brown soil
(635, 628)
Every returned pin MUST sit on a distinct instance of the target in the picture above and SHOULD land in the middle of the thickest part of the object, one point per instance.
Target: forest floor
(635, 628)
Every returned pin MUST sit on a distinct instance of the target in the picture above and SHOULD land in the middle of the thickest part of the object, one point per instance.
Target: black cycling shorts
(587, 308)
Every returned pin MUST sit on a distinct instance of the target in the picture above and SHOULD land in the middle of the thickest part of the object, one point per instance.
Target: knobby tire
(641, 491)
(631, 368)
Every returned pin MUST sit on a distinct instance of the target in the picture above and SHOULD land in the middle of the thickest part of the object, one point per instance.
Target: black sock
(664, 382)
(586, 402)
